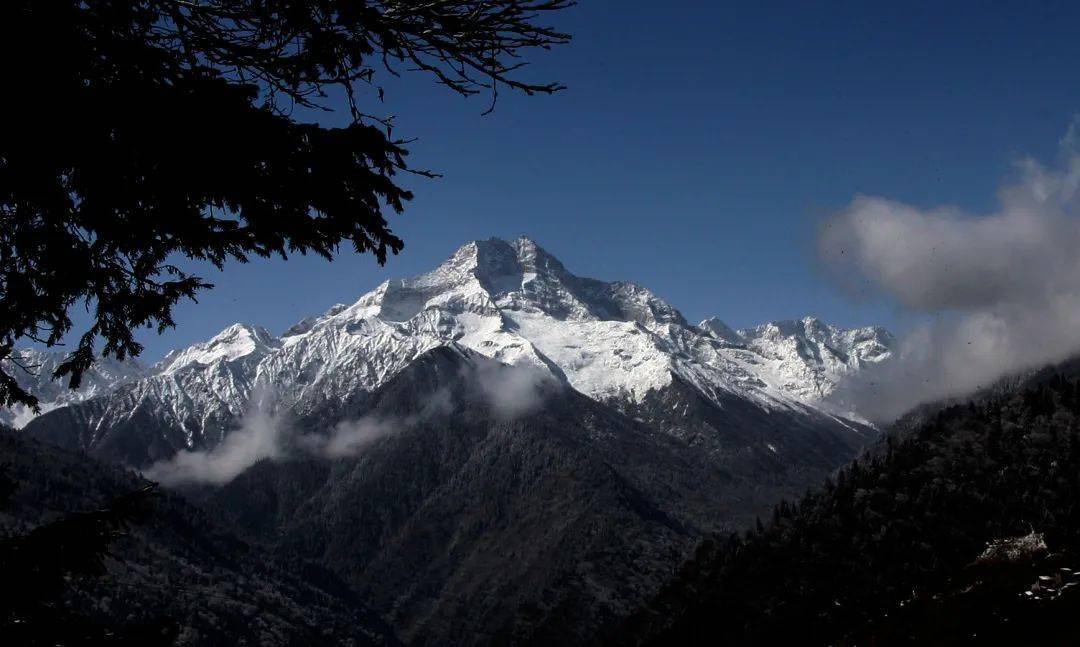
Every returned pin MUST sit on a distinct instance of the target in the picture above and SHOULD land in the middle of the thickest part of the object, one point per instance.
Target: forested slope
(962, 528)
(90, 555)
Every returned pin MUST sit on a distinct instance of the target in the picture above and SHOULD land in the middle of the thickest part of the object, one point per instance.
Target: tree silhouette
(141, 131)
(37, 565)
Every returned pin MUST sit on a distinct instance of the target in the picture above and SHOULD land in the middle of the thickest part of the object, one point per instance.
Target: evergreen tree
(139, 131)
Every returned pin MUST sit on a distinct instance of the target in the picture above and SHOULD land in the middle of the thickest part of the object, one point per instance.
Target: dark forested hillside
(463, 523)
(470, 529)
(963, 528)
(87, 557)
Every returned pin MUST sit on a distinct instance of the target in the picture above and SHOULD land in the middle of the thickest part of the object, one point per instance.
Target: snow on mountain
(719, 330)
(807, 357)
(33, 370)
(516, 303)
(238, 341)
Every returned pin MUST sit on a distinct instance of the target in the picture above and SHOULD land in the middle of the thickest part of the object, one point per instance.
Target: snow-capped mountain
(460, 520)
(513, 302)
(807, 357)
(33, 370)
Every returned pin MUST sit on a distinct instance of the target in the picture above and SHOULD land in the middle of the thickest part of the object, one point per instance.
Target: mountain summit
(511, 301)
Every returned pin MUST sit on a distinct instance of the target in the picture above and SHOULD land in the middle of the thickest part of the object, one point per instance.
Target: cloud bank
(1003, 289)
(509, 392)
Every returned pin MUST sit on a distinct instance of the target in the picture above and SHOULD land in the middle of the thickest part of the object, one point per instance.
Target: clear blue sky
(699, 144)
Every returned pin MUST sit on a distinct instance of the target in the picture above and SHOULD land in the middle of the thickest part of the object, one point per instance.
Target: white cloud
(259, 436)
(512, 391)
(1003, 289)
(351, 437)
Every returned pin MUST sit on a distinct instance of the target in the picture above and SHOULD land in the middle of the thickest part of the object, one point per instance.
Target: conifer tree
(137, 132)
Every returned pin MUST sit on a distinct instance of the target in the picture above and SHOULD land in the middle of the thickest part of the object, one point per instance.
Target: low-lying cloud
(350, 437)
(260, 435)
(513, 391)
(266, 432)
(1002, 290)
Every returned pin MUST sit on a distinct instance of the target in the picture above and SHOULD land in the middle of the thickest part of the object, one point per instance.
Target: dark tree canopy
(935, 536)
(139, 130)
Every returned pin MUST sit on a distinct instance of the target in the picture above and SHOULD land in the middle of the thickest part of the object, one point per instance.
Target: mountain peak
(717, 329)
(815, 356)
(237, 341)
(528, 251)
(488, 276)
(496, 257)
(514, 302)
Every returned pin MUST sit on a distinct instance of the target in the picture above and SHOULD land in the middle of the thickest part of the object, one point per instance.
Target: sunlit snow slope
(511, 301)
(33, 369)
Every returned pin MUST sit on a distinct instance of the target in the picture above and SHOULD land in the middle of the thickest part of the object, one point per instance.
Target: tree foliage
(37, 566)
(142, 131)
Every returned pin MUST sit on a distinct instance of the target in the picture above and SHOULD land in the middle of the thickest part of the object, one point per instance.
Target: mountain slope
(466, 513)
(173, 577)
(33, 370)
(474, 528)
(964, 528)
(513, 302)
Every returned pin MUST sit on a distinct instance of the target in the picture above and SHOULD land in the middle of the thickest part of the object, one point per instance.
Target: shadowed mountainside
(963, 526)
(476, 529)
(171, 576)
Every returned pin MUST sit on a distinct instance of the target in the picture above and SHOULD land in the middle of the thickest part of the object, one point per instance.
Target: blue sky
(698, 146)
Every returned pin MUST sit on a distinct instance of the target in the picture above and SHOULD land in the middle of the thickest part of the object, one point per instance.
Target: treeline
(962, 529)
